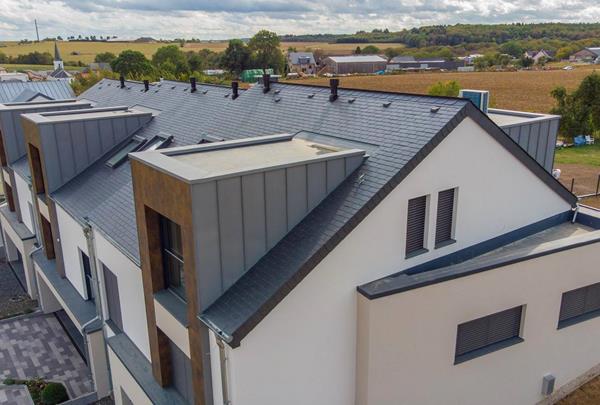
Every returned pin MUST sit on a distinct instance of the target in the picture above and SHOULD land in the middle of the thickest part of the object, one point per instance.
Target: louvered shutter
(445, 216)
(579, 302)
(482, 332)
(415, 227)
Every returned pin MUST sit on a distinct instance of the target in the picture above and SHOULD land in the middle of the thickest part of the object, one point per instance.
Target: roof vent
(234, 90)
(277, 99)
(311, 95)
(277, 91)
(204, 91)
(435, 109)
(266, 83)
(386, 105)
(122, 80)
(333, 85)
(351, 100)
(193, 83)
(226, 95)
(146, 85)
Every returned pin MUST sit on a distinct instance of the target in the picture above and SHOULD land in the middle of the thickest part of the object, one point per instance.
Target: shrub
(447, 89)
(54, 393)
(9, 381)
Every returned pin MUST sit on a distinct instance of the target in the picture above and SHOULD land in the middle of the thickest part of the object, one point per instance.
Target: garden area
(42, 392)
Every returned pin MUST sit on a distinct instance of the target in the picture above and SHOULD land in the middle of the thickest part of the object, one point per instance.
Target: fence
(584, 186)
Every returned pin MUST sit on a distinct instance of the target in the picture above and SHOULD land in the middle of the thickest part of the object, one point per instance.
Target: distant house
(13, 76)
(146, 40)
(355, 64)
(14, 91)
(59, 72)
(410, 63)
(99, 66)
(301, 62)
(538, 55)
(588, 55)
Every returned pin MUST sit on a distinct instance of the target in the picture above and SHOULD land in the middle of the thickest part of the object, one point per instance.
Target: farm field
(580, 168)
(88, 50)
(521, 90)
(16, 67)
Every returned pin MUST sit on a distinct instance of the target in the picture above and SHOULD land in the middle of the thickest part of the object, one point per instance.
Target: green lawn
(583, 155)
(11, 68)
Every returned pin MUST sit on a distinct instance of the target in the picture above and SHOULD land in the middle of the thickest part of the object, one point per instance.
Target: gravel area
(13, 298)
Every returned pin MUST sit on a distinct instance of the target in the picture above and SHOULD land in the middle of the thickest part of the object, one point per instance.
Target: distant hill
(462, 34)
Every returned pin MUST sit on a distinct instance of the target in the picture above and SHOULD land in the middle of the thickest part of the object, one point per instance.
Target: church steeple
(58, 62)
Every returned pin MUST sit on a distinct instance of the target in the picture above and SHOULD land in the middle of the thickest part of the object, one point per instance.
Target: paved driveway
(37, 346)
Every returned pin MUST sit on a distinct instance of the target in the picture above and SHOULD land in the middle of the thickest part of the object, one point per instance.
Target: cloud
(210, 19)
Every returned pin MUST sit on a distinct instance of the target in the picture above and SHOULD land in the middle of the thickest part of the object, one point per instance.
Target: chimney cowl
(193, 84)
(234, 89)
(122, 80)
(266, 83)
(333, 85)
(146, 85)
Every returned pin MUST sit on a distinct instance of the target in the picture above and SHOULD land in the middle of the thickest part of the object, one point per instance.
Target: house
(283, 188)
(410, 63)
(100, 66)
(537, 56)
(301, 62)
(11, 90)
(13, 77)
(354, 64)
(587, 55)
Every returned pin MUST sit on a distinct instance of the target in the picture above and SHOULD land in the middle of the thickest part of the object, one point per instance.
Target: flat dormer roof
(508, 118)
(54, 117)
(204, 162)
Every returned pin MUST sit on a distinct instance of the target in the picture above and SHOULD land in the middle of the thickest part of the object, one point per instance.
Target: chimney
(333, 85)
(146, 85)
(266, 83)
(122, 80)
(193, 83)
(234, 89)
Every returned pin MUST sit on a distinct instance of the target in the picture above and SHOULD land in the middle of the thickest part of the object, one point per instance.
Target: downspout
(88, 232)
(576, 211)
(223, 368)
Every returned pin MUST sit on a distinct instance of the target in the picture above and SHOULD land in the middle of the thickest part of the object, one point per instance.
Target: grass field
(86, 51)
(585, 155)
(13, 67)
(522, 90)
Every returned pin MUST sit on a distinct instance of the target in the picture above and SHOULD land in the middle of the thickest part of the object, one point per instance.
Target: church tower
(58, 62)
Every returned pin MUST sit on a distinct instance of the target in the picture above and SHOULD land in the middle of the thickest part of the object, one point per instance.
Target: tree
(525, 61)
(266, 53)
(105, 57)
(236, 57)
(171, 58)
(357, 51)
(370, 50)
(131, 63)
(3, 58)
(580, 110)
(447, 89)
(512, 48)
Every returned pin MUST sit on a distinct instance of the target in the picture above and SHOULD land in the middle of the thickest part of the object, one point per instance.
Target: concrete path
(15, 395)
(38, 346)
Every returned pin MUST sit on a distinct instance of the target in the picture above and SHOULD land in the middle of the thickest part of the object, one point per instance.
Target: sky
(223, 19)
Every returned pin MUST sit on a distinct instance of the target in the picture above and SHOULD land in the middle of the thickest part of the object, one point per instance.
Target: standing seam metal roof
(55, 89)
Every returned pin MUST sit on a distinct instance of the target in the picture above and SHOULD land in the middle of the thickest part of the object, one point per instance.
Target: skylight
(157, 142)
(120, 156)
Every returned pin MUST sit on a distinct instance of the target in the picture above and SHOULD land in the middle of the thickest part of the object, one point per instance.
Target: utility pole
(37, 33)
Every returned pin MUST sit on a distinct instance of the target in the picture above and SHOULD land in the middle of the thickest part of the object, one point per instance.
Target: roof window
(120, 156)
(158, 142)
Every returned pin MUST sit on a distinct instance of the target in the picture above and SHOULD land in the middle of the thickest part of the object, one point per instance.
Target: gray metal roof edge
(235, 338)
(36, 104)
(508, 143)
(520, 255)
(533, 117)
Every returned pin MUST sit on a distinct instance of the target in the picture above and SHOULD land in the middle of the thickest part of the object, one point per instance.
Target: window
(445, 218)
(120, 156)
(579, 305)
(488, 334)
(47, 238)
(172, 254)
(2, 152)
(113, 301)
(415, 226)
(157, 142)
(9, 197)
(87, 276)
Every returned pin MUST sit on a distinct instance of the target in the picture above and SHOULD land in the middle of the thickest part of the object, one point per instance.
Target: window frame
(452, 237)
(493, 346)
(88, 278)
(159, 140)
(171, 256)
(423, 248)
(134, 144)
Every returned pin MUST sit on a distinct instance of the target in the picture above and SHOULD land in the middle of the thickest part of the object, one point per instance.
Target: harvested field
(587, 394)
(586, 177)
(521, 90)
(86, 51)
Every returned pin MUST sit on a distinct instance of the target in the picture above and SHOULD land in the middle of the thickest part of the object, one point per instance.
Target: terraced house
(303, 245)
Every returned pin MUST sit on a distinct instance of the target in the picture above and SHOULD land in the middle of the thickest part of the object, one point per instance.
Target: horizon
(228, 19)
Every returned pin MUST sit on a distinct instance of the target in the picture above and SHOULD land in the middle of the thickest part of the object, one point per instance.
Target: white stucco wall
(121, 378)
(412, 336)
(24, 199)
(72, 242)
(131, 291)
(311, 334)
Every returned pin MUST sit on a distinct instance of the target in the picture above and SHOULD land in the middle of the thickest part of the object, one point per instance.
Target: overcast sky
(221, 19)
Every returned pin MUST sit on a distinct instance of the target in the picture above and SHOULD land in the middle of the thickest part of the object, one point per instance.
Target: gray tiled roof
(404, 127)
(56, 90)
(294, 57)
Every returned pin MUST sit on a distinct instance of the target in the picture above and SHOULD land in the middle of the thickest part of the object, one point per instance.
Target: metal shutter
(578, 302)
(445, 214)
(415, 227)
(112, 297)
(482, 332)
